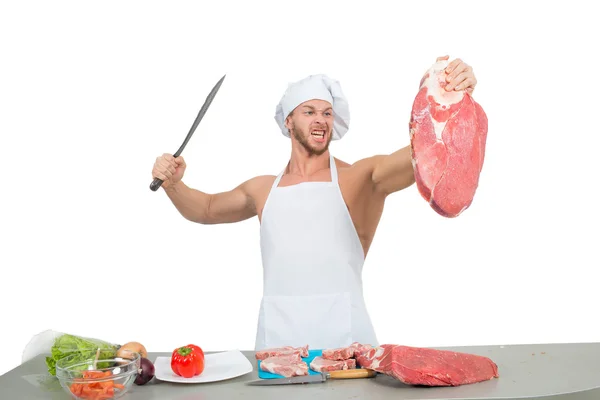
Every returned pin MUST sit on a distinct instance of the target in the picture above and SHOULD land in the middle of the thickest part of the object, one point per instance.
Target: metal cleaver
(156, 183)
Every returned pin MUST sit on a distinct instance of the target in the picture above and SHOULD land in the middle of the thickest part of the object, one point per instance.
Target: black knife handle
(156, 183)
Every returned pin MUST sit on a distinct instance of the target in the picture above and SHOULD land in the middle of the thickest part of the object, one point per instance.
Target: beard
(303, 140)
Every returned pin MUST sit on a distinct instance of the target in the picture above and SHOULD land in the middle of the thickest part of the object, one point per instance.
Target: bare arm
(393, 172)
(204, 208)
(235, 205)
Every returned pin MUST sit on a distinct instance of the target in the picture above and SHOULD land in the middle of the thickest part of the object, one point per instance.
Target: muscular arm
(204, 208)
(393, 172)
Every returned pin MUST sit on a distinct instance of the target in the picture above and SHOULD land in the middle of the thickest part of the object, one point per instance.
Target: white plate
(217, 367)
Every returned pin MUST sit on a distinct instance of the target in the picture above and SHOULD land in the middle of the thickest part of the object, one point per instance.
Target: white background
(92, 93)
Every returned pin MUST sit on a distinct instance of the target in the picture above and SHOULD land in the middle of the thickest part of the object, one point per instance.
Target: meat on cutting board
(341, 353)
(428, 367)
(448, 132)
(360, 348)
(279, 351)
(344, 353)
(287, 365)
(321, 364)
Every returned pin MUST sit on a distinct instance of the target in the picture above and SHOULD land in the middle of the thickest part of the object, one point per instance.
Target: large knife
(353, 373)
(156, 183)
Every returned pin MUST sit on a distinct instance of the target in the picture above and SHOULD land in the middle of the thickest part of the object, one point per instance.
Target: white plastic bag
(40, 344)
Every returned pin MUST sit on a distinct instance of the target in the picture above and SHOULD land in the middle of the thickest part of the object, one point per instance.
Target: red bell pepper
(187, 361)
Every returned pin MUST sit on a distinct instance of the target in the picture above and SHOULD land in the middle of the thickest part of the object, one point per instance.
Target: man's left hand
(460, 75)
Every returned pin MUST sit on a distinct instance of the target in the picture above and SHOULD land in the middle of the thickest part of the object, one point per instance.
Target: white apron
(312, 259)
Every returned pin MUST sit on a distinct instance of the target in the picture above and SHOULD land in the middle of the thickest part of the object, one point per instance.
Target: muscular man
(317, 217)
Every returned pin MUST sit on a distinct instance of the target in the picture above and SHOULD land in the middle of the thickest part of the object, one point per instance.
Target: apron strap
(334, 175)
(278, 178)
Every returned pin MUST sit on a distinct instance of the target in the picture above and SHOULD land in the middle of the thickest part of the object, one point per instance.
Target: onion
(131, 347)
(145, 373)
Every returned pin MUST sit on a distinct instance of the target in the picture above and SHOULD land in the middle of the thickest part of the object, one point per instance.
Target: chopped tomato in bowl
(83, 379)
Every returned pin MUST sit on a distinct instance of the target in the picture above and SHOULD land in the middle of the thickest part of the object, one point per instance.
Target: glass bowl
(106, 378)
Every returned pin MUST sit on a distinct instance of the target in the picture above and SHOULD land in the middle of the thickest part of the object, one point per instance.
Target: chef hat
(319, 87)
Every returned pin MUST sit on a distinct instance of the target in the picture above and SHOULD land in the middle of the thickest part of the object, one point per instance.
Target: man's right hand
(169, 169)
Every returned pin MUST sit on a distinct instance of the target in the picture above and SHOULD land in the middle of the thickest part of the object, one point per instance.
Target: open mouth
(317, 134)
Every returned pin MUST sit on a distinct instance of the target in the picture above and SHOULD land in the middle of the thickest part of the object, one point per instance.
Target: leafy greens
(81, 350)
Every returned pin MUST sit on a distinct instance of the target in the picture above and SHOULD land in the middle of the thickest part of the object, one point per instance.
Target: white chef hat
(319, 87)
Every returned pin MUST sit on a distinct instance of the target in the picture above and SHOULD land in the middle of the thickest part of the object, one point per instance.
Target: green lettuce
(81, 349)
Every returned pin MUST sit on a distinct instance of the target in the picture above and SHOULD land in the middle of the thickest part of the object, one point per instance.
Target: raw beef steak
(279, 351)
(321, 364)
(428, 367)
(448, 132)
(287, 365)
(341, 353)
(360, 348)
(344, 353)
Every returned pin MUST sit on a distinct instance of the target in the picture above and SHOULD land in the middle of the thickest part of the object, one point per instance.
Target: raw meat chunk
(279, 351)
(448, 132)
(321, 364)
(360, 348)
(428, 367)
(341, 353)
(344, 353)
(287, 365)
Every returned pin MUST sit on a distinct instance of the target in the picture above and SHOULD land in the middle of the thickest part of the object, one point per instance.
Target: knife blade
(156, 183)
(355, 373)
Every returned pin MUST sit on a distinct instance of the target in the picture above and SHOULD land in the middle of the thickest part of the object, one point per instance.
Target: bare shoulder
(257, 190)
(361, 168)
(258, 186)
(259, 182)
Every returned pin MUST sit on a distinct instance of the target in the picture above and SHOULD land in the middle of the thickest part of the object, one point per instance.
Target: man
(317, 217)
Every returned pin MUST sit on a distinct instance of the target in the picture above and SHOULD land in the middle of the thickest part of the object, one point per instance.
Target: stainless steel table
(548, 372)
